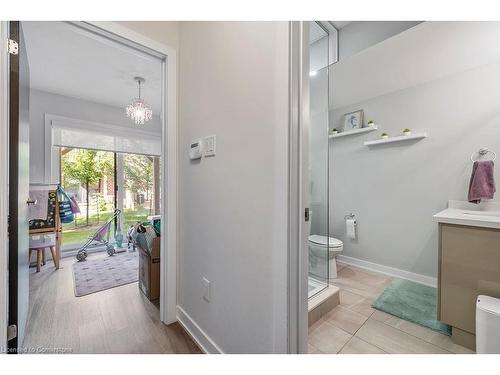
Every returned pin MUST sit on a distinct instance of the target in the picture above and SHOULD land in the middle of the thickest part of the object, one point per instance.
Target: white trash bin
(487, 325)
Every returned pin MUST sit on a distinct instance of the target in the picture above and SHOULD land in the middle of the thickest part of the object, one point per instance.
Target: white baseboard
(386, 270)
(205, 343)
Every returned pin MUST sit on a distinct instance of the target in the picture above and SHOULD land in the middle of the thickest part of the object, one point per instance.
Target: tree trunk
(88, 203)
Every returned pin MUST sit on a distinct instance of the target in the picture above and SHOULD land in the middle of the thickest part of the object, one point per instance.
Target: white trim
(168, 271)
(4, 177)
(206, 344)
(386, 270)
(298, 185)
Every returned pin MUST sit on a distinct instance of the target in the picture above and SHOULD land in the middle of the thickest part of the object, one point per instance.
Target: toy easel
(55, 229)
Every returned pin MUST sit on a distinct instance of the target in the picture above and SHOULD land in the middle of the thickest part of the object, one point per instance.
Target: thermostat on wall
(195, 150)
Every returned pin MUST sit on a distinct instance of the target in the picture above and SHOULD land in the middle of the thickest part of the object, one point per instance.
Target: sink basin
(482, 213)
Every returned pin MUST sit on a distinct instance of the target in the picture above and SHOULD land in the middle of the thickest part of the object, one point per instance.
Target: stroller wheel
(111, 251)
(81, 256)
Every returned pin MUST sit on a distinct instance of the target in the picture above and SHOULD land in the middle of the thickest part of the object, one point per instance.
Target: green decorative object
(414, 302)
(119, 233)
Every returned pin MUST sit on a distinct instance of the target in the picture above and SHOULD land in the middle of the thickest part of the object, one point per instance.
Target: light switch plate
(206, 289)
(209, 146)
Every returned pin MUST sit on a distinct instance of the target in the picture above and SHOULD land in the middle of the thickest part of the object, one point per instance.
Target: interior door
(18, 187)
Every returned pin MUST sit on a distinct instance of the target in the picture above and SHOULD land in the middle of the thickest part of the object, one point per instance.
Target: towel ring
(482, 152)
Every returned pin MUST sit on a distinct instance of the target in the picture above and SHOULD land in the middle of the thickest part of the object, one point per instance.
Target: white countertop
(485, 214)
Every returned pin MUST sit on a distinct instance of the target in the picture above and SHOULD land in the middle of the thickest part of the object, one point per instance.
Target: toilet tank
(487, 325)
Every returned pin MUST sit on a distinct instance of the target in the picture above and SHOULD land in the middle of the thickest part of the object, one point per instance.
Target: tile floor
(354, 327)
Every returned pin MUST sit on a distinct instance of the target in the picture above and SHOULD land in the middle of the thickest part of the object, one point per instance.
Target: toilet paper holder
(349, 216)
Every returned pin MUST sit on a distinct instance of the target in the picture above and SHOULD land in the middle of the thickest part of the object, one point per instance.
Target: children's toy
(100, 236)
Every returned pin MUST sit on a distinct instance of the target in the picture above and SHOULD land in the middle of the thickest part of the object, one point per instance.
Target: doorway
(110, 33)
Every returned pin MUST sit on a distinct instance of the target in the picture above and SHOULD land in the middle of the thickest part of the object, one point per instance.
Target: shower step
(322, 303)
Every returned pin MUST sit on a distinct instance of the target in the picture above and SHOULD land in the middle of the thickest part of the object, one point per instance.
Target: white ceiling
(70, 61)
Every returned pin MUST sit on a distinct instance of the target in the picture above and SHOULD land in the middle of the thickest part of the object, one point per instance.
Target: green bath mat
(413, 302)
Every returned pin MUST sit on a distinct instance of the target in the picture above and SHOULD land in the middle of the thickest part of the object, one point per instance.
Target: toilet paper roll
(350, 228)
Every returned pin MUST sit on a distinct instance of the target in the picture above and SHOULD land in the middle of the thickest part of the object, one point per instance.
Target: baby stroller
(100, 236)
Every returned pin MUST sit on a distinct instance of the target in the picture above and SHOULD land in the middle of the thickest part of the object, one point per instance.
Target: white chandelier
(138, 110)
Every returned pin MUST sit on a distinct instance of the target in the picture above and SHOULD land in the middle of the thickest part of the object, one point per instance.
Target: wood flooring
(117, 320)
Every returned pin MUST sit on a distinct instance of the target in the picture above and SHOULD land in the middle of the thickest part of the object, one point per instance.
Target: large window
(101, 181)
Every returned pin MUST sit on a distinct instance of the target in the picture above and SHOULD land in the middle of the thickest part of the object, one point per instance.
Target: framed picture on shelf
(353, 120)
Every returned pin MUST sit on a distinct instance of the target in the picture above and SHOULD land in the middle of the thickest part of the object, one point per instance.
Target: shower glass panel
(318, 157)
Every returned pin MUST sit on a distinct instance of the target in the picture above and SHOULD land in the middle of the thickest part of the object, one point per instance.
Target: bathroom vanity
(469, 264)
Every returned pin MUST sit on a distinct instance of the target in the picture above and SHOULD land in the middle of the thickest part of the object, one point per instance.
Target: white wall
(358, 35)
(165, 32)
(395, 189)
(42, 102)
(234, 83)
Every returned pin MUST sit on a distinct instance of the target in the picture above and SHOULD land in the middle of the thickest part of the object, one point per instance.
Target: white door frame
(168, 271)
(4, 178)
(298, 187)
(168, 211)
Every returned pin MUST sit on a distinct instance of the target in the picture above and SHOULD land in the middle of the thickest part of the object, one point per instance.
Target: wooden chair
(39, 247)
(56, 230)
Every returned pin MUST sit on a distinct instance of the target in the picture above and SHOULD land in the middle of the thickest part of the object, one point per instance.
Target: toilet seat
(324, 241)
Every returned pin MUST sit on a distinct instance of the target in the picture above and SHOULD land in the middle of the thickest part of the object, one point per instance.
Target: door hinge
(306, 214)
(11, 332)
(13, 47)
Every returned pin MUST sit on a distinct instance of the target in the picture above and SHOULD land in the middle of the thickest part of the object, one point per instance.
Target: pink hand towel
(482, 181)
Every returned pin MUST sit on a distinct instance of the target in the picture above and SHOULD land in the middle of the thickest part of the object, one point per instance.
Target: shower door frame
(299, 199)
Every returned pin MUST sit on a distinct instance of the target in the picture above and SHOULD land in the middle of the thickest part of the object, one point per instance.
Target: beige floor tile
(362, 282)
(313, 350)
(374, 330)
(358, 346)
(393, 340)
(348, 320)
(381, 316)
(356, 302)
(424, 333)
(328, 338)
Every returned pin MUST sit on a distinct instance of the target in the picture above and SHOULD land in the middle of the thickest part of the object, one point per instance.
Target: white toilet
(487, 325)
(319, 256)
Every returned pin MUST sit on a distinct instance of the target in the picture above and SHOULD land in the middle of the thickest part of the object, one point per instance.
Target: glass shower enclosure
(323, 53)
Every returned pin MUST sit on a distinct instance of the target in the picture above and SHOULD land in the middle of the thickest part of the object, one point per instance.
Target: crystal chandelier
(138, 110)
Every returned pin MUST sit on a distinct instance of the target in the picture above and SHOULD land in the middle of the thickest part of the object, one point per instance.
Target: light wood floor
(354, 327)
(118, 320)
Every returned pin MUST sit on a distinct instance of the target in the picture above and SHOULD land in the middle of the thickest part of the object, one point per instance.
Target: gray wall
(395, 189)
(42, 102)
(234, 83)
(358, 35)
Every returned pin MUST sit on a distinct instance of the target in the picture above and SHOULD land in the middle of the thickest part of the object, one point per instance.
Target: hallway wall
(233, 207)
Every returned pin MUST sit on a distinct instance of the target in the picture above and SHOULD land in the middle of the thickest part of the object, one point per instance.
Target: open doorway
(83, 77)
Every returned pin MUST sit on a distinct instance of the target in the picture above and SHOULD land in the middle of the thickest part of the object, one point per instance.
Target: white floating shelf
(355, 131)
(400, 138)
